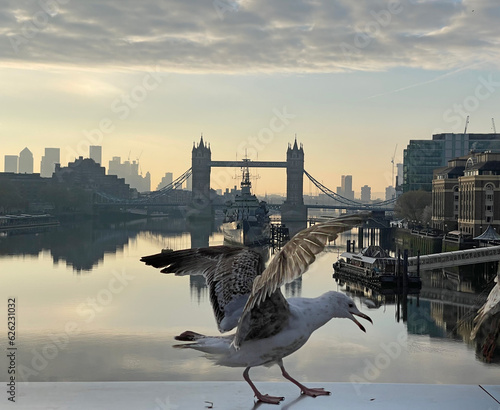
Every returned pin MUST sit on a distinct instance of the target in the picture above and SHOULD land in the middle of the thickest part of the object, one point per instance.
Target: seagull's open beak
(364, 317)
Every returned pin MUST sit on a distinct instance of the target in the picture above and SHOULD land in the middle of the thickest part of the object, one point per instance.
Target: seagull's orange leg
(261, 397)
(313, 392)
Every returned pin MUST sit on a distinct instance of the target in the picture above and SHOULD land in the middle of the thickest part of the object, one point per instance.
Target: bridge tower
(201, 157)
(293, 209)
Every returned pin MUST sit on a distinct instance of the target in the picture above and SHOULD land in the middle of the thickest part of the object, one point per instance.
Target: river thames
(87, 309)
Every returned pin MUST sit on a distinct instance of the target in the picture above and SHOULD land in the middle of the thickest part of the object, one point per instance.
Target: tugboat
(246, 219)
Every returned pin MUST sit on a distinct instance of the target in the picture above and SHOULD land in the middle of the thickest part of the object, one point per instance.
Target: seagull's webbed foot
(265, 398)
(313, 392)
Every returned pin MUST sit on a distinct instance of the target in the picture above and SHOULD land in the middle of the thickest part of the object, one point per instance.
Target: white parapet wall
(237, 395)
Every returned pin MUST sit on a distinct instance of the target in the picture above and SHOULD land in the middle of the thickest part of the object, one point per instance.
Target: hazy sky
(352, 79)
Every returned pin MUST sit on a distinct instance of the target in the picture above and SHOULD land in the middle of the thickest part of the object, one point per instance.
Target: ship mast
(245, 182)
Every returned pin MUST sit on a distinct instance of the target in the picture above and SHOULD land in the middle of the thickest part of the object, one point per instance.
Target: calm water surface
(89, 310)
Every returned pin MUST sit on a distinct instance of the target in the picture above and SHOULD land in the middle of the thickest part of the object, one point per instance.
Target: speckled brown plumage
(229, 273)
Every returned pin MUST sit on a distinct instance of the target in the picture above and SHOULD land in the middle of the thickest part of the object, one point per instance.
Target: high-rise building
(25, 161)
(49, 160)
(346, 187)
(95, 153)
(130, 171)
(165, 181)
(390, 193)
(421, 157)
(115, 166)
(10, 163)
(366, 193)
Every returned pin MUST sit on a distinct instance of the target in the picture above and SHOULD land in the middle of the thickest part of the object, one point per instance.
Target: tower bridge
(199, 203)
(201, 164)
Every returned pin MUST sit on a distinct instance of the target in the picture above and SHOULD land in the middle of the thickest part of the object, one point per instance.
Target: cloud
(229, 36)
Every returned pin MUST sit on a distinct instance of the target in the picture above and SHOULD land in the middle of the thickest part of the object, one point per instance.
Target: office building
(465, 194)
(165, 181)
(10, 163)
(130, 171)
(390, 193)
(49, 160)
(366, 193)
(25, 161)
(422, 157)
(345, 188)
(95, 153)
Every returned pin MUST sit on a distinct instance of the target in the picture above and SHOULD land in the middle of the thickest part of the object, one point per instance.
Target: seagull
(246, 295)
(487, 321)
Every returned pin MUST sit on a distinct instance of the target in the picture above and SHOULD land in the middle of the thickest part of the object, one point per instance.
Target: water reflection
(83, 246)
(445, 307)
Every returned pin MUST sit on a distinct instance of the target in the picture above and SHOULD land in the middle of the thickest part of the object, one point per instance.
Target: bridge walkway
(455, 258)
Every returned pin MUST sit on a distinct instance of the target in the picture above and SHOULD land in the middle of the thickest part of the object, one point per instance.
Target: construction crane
(138, 163)
(493, 123)
(392, 162)
(466, 123)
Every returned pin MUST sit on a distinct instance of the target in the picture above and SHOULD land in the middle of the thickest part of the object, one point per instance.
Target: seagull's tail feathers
(189, 336)
(215, 345)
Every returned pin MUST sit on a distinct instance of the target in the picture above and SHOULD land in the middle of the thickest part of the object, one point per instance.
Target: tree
(11, 199)
(414, 206)
(65, 198)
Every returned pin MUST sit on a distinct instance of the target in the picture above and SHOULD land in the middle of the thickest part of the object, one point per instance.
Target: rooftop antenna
(466, 123)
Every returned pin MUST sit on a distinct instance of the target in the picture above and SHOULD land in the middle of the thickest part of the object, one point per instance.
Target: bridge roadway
(455, 258)
(250, 164)
(143, 202)
(362, 207)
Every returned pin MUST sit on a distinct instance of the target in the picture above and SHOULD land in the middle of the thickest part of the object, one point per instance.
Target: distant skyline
(351, 79)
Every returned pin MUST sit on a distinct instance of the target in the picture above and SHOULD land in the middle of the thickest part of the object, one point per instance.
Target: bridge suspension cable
(344, 200)
(177, 183)
(147, 197)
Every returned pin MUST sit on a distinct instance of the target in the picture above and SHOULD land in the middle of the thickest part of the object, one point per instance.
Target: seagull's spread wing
(229, 273)
(288, 265)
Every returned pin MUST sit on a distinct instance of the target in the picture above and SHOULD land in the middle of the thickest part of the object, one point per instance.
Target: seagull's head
(346, 308)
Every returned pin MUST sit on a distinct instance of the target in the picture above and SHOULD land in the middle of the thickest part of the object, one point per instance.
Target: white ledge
(237, 395)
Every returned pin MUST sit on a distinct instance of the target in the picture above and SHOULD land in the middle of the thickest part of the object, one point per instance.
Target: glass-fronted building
(422, 157)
